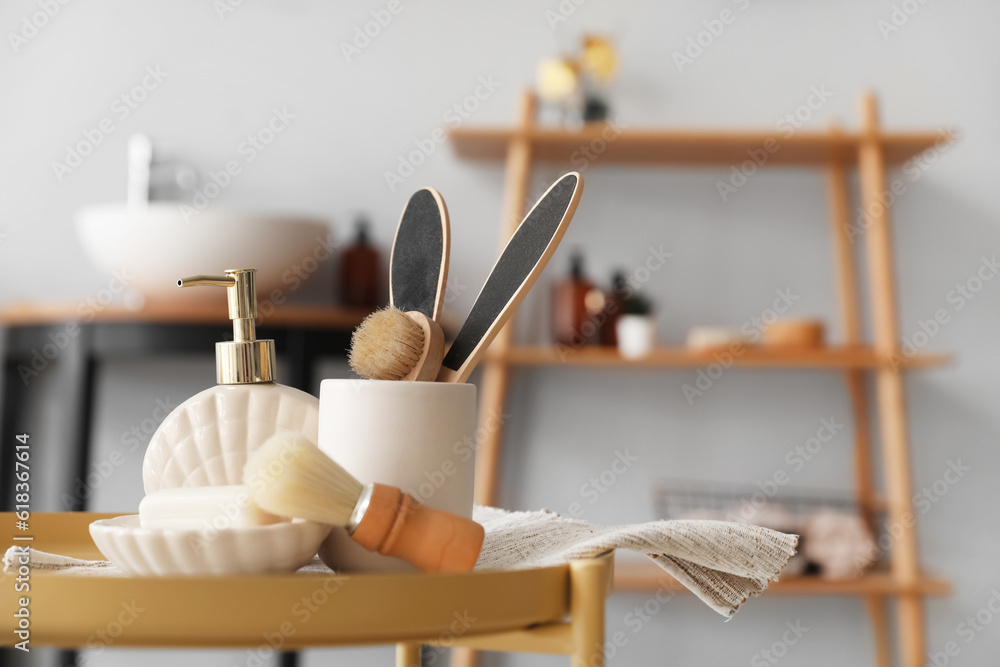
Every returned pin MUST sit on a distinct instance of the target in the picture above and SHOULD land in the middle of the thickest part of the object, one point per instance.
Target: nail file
(517, 269)
(418, 266)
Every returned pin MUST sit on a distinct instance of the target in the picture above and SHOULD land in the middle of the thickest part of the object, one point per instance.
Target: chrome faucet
(141, 186)
(140, 164)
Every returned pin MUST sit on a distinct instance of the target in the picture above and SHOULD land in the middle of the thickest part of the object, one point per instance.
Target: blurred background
(202, 78)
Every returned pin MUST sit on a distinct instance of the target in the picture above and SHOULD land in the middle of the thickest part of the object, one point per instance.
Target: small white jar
(636, 335)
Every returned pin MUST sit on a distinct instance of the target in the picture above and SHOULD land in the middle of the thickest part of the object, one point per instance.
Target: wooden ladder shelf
(872, 151)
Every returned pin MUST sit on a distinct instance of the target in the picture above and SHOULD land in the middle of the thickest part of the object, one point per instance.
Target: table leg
(11, 422)
(288, 659)
(407, 655)
(587, 596)
(300, 359)
(75, 391)
(72, 390)
(462, 656)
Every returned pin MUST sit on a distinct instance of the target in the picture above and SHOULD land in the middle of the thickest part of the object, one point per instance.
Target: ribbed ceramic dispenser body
(207, 439)
(418, 436)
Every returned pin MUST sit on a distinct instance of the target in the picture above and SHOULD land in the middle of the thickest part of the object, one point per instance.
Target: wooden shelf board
(179, 312)
(834, 357)
(686, 147)
(638, 576)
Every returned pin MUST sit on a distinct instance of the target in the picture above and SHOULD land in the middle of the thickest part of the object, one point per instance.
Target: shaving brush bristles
(386, 346)
(289, 476)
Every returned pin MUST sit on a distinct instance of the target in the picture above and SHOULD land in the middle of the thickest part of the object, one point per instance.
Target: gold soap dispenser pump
(243, 360)
(232, 419)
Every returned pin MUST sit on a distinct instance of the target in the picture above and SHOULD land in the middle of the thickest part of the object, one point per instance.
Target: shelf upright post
(839, 200)
(496, 370)
(877, 235)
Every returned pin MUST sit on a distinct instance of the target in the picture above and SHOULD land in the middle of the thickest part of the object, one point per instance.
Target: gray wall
(353, 121)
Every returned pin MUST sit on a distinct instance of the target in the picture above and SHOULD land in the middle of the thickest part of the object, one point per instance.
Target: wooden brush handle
(429, 364)
(396, 525)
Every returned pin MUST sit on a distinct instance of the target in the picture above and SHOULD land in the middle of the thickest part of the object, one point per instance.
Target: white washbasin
(155, 246)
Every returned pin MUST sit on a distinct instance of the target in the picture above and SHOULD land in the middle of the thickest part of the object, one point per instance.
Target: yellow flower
(599, 58)
(557, 78)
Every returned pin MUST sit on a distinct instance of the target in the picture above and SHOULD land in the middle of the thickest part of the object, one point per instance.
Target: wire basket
(839, 537)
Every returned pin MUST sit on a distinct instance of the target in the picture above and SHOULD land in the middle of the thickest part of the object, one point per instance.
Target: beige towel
(722, 563)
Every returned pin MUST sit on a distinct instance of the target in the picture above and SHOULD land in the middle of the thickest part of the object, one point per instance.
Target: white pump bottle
(207, 439)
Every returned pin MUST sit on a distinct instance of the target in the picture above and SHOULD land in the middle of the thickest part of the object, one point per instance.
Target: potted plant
(636, 328)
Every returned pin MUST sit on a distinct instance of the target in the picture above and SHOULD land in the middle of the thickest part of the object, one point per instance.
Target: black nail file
(517, 269)
(418, 267)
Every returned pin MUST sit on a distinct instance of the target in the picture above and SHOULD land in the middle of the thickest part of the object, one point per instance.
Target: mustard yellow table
(545, 610)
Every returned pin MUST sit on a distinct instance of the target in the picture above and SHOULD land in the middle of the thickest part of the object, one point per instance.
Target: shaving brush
(289, 476)
(393, 345)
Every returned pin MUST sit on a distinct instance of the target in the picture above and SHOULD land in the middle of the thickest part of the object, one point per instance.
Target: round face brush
(289, 476)
(393, 345)
(404, 341)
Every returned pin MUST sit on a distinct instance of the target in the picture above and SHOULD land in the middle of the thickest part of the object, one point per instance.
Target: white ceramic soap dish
(278, 547)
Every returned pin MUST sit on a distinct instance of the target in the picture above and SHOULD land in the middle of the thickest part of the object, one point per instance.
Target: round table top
(287, 611)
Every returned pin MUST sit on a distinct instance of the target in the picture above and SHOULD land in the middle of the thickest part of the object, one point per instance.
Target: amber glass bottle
(572, 324)
(359, 271)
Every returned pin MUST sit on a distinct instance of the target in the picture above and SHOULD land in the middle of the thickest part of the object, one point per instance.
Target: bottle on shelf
(359, 271)
(573, 305)
(614, 302)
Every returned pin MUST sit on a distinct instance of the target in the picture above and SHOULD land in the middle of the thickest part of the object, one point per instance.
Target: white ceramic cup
(418, 436)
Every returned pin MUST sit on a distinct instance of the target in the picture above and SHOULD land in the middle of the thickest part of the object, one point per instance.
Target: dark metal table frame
(75, 369)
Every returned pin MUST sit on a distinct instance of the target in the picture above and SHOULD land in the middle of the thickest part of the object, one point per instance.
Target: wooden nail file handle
(396, 525)
(429, 364)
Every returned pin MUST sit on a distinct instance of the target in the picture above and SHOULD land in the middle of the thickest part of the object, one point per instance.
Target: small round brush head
(289, 476)
(386, 346)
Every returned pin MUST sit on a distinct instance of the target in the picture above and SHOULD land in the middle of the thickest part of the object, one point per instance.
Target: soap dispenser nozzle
(244, 359)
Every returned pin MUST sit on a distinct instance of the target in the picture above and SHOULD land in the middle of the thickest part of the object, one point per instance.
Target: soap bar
(202, 507)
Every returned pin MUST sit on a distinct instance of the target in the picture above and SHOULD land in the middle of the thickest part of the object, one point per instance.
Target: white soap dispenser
(207, 439)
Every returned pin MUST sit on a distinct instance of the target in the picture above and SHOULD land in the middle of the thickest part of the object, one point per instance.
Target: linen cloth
(723, 563)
